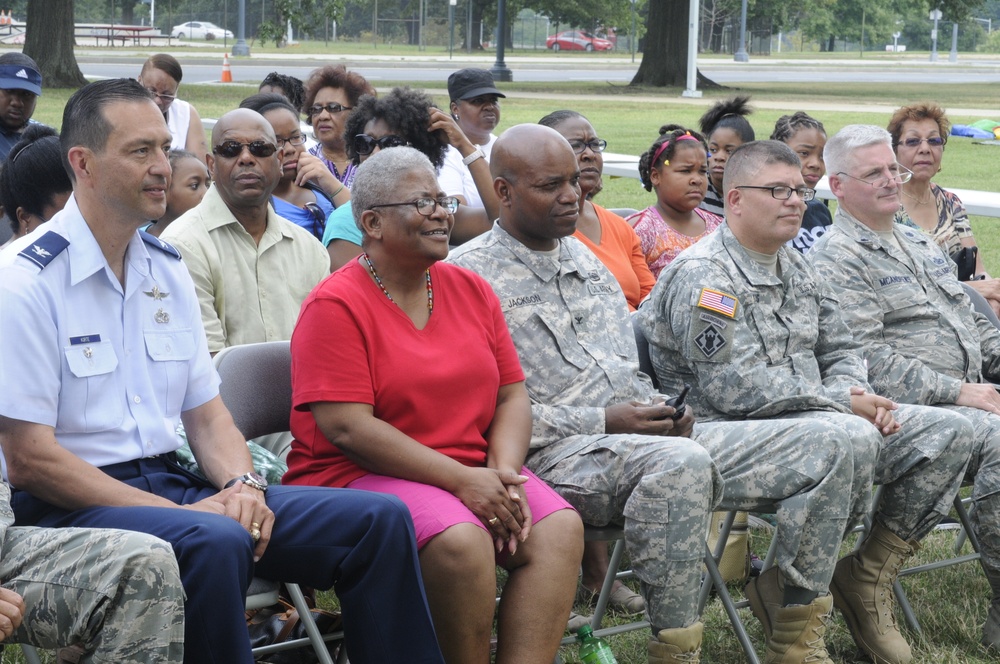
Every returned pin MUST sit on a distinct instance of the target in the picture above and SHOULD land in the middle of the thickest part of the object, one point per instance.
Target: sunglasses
(365, 144)
(233, 149)
(332, 108)
(933, 141)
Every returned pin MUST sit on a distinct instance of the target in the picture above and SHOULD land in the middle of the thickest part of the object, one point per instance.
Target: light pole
(953, 55)
(451, 26)
(500, 70)
(241, 47)
(934, 15)
(633, 40)
(741, 53)
(692, 62)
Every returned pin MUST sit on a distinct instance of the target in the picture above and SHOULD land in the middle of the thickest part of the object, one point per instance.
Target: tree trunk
(664, 54)
(49, 41)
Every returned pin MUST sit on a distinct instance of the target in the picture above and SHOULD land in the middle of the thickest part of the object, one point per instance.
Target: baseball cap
(19, 72)
(469, 83)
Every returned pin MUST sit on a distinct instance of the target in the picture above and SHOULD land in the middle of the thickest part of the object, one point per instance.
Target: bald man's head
(536, 179)
(245, 162)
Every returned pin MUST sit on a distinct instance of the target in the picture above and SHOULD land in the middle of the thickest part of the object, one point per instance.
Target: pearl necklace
(378, 281)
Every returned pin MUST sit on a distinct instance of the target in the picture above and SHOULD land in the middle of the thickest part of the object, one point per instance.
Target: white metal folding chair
(257, 389)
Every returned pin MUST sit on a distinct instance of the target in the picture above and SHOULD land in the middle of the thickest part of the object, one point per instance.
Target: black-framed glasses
(914, 142)
(319, 218)
(332, 108)
(597, 145)
(783, 193)
(297, 139)
(426, 206)
(902, 176)
(365, 144)
(233, 149)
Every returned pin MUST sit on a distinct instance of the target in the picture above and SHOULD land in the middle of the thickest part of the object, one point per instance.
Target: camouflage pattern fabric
(574, 337)
(793, 354)
(922, 339)
(116, 594)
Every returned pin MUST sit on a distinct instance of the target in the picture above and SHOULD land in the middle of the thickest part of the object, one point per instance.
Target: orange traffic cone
(227, 73)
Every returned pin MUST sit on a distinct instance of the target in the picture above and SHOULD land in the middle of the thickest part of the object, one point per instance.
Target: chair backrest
(623, 212)
(981, 304)
(257, 386)
(642, 345)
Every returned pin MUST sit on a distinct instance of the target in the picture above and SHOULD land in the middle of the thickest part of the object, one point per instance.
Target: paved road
(208, 69)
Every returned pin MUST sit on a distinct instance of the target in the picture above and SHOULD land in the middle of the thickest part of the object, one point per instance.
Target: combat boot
(681, 645)
(797, 633)
(991, 630)
(862, 590)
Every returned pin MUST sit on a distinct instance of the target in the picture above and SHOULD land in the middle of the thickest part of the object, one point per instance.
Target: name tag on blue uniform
(89, 339)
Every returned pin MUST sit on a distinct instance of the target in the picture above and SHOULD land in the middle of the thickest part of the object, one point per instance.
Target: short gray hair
(840, 148)
(377, 178)
(747, 160)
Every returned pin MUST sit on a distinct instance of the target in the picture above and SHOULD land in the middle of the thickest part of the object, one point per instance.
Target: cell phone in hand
(678, 403)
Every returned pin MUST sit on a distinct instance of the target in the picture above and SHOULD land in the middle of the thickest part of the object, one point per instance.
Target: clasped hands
(497, 498)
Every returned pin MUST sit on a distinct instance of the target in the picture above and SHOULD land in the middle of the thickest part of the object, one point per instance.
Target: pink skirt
(434, 510)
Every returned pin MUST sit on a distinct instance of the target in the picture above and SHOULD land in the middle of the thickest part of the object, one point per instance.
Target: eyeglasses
(426, 206)
(365, 144)
(233, 149)
(162, 96)
(597, 145)
(297, 139)
(332, 108)
(901, 177)
(933, 141)
(783, 193)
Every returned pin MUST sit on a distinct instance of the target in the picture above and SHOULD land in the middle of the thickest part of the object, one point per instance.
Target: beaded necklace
(378, 281)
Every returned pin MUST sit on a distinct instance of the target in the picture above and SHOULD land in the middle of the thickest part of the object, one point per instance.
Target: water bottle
(594, 650)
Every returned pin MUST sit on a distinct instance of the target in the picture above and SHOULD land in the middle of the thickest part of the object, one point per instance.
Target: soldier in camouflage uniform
(746, 320)
(114, 594)
(922, 339)
(601, 435)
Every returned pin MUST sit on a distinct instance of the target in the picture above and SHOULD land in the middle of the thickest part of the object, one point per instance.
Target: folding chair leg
(30, 654)
(715, 578)
(609, 581)
(299, 600)
(720, 547)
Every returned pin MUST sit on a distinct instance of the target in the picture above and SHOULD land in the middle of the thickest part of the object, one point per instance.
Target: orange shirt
(621, 253)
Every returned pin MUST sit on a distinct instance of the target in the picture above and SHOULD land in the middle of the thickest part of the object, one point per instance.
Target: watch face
(258, 478)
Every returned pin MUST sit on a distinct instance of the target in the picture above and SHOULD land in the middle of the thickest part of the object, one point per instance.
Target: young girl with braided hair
(725, 127)
(807, 137)
(675, 166)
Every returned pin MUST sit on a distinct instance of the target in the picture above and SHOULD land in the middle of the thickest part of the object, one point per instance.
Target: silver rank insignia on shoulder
(161, 316)
(156, 293)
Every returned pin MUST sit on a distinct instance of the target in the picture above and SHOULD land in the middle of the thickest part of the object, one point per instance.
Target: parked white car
(199, 30)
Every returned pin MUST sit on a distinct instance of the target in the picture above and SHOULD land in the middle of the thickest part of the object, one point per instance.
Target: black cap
(469, 83)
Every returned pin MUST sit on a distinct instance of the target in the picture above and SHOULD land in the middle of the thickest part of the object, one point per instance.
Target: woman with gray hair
(391, 407)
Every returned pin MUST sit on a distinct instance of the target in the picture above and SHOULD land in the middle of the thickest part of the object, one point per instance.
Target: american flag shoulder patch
(719, 302)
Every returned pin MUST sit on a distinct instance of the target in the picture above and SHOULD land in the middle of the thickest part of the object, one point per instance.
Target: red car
(577, 40)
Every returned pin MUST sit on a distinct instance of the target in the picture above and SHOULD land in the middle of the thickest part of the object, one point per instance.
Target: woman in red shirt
(405, 381)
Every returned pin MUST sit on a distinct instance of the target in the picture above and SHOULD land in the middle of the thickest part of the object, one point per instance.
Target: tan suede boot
(681, 645)
(798, 630)
(862, 590)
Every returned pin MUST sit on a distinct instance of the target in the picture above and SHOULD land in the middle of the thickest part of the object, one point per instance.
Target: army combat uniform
(756, 345)
(572, 330)
(115, 594)
(922, 339)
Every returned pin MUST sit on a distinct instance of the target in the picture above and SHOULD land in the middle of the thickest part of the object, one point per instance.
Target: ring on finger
(494, 521)
(255, 532)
